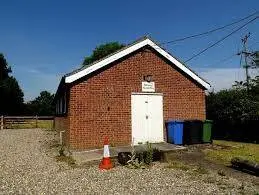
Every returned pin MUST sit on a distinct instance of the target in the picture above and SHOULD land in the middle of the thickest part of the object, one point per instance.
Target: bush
(137, 159)
(235, 113)
(148, 154)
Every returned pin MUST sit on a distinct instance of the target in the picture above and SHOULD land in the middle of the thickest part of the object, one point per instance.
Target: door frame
(146, 93)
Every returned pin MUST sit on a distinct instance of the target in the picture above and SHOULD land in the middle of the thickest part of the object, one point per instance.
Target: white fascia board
(178, 64)
(104, 62)
(82, 73)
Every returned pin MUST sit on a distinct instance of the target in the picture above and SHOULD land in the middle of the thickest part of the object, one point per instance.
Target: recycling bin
(175, 132)
(193, 130)
(207, 129)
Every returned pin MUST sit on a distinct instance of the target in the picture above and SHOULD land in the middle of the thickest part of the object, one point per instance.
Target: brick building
(127, 96)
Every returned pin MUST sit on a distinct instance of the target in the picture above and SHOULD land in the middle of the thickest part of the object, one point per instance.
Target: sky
(43, 40)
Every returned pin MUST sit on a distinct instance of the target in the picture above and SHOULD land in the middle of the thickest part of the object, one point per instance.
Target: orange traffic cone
(106, 161)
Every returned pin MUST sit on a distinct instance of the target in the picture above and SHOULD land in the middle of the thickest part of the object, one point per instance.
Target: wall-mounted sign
(148, 86)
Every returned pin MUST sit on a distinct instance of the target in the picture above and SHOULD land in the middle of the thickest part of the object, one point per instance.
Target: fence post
(53, 124)
(36, 121)
(2, 122)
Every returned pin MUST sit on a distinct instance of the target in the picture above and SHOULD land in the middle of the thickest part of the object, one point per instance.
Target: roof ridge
(111, 54)
(134, 46)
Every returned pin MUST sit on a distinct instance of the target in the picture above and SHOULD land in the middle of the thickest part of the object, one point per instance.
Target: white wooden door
(147, 118)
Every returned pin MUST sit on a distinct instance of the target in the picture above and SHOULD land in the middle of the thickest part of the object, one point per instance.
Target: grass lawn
(44, 124)
(225, 150)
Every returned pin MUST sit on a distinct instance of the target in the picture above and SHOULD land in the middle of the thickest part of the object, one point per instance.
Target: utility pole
(245, 53)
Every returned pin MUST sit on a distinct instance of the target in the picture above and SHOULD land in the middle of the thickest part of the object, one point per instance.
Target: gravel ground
(28, 166)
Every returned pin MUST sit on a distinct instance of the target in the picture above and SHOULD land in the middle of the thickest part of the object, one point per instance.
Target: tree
(255, 59)
(231, 105)
(235, 112)
(255, 88)
(41, 105)
(4, 68)
(102, 51)
(11, 98)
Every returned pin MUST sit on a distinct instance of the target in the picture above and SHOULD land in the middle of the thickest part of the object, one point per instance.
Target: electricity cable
(210, 31)
(222, 39)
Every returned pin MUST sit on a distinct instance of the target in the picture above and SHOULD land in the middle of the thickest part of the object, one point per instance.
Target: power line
(222, 39)
(210, 31)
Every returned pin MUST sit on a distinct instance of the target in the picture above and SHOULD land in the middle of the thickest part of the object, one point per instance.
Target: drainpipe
(61, 137)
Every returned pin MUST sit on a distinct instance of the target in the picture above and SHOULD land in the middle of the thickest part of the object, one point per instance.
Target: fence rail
(11, 122)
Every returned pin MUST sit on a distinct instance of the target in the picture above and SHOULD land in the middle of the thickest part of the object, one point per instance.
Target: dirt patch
(67, 159)
(195, 156)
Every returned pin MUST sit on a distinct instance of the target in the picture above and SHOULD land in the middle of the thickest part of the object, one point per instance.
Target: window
(61, 105)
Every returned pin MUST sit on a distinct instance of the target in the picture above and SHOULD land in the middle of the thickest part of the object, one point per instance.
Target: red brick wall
(101, 105)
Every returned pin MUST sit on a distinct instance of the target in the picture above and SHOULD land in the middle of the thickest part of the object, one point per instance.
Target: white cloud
(224, 78)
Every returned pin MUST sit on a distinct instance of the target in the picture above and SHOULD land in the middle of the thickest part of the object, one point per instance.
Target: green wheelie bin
(206, 135)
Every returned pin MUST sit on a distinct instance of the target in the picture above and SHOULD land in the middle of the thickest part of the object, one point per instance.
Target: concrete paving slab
(82, 157)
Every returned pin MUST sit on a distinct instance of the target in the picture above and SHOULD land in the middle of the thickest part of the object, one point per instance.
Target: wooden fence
(20, 122)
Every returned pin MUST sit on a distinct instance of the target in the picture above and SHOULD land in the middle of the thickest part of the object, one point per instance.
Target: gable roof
(86, 70)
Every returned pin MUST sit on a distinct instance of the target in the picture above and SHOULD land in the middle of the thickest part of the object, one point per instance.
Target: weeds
(142, 159)
(61, 151)
(148, 154)
(201, 170)
(178, 165)
(63, 158)
(68, 159)
(134, 162)
(184, 167)
(210, 179)
(221, 172)
(242, 188)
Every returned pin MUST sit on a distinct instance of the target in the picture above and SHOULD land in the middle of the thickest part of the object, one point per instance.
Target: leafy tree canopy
(4, 68)
(11, 95)
(102, 51)
(235, 112)
(255, 59)
(235, 104)
(41, 105)
(11, 98)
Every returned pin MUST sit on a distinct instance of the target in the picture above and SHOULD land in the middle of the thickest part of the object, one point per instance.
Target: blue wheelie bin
(175, 132)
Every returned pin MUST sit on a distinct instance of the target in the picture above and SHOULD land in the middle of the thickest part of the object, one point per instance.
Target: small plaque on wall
(148, 86)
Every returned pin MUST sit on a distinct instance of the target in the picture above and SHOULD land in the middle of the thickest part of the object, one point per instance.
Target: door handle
(146, 116)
